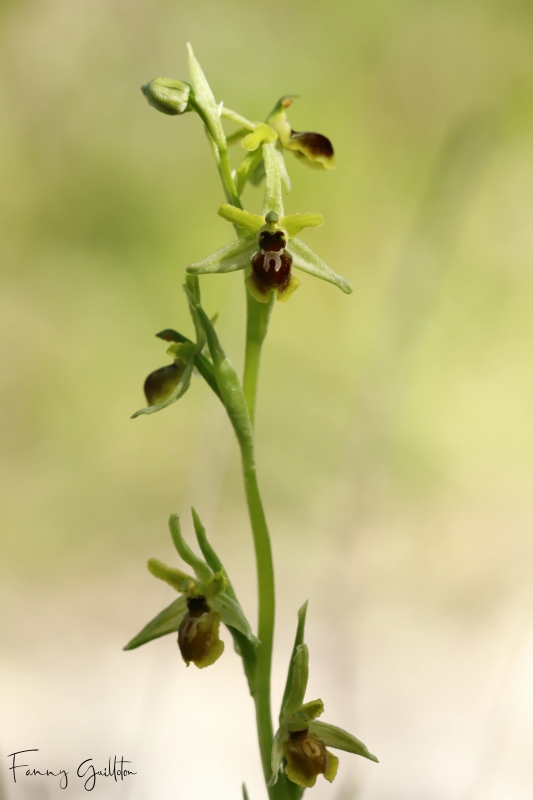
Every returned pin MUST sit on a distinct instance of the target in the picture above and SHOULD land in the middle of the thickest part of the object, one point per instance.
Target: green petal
(276, 757)
(250, 222)
(273, 200)
(209, 554)
(205, 100)
(233, 615)
(179, 390)
(262, 133)
(312, 709)
(168, 621)
(229, 258)
(299, 638)
(341, 739)
(300, 676)
(204, 573)
(295, 223)
(308, 261)
(179, 580)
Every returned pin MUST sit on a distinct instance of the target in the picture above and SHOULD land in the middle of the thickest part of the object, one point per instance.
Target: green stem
(258, 315)
(256, 328)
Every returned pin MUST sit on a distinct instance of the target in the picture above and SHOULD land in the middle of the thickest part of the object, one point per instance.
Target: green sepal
(179, 580)
(262, 133)
(305, 259)
(168, 96)
(209, 554)
(273, 200)
(300, 676)
(167, 621)
(341, 739)
(298, 640)
(204, 100)
(179, 390)
(203, 572)
(233, 615)
(242, 645)
(229, 258)
(295, 223)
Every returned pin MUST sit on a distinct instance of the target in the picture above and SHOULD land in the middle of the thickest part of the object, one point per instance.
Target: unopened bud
(168, 96)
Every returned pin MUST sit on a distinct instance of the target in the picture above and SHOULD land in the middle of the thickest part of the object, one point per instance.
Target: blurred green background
(394, 426)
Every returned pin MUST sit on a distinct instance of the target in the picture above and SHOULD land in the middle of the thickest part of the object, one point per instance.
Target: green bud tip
(271, 217)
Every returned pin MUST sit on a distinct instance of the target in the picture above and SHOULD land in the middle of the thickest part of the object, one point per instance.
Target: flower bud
(307, 758)
(161, 383)
(198, 634)
(168, 96)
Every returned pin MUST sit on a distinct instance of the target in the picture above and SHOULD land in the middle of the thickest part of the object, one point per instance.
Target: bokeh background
(394, 426)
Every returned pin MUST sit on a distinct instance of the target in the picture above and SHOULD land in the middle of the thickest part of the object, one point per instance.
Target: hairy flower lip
(239, 254)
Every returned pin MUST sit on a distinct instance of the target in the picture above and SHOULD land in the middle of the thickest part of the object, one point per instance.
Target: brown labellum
(198, 634)
(271, 264)
(306, 757)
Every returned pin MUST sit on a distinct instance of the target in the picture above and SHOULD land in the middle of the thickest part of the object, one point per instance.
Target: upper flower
(313, 149)
(268, 252)
(205, 602)
(302, 741)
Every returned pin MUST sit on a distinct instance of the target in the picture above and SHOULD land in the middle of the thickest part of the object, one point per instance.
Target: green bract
(301, 740)
(206, 601)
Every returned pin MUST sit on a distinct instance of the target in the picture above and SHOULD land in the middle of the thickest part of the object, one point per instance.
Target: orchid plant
(267, 249)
